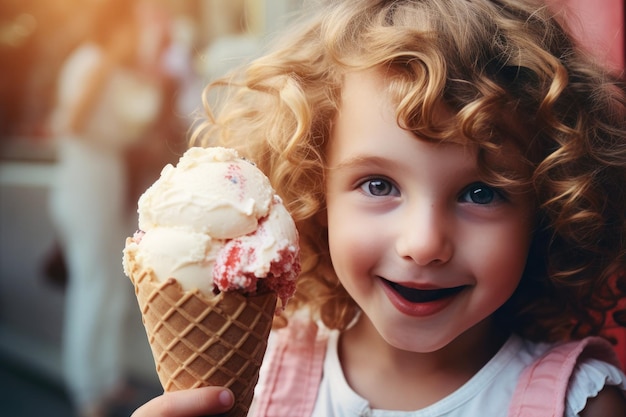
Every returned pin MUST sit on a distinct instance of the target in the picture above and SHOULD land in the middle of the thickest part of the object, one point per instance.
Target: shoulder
(585, 373)
(298, 347)
(596, 387)
(79, 63)
(610, 402)
(85, 55)
(292, 369)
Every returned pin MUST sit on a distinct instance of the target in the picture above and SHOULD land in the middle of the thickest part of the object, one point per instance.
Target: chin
(418, 346)
(415, 340)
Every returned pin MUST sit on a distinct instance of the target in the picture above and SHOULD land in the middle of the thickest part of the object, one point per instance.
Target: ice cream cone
(216, 248)
(200, 340)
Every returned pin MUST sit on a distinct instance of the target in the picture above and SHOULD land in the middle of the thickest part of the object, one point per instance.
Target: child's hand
(188, 403)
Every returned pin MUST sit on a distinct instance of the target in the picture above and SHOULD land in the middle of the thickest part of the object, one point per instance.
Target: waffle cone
(200, 340)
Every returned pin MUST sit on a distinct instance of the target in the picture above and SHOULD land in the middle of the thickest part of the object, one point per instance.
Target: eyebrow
(363, 160)
(360, 161)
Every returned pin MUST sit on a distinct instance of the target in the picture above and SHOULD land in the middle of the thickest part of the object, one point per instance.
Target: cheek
(340, 238)
(350, 243)
(507, 261)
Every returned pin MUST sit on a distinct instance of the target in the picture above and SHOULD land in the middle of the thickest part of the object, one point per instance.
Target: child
(456, 170)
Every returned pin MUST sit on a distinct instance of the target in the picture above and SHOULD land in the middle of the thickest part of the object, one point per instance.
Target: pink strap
(294, 372)
(542, 388)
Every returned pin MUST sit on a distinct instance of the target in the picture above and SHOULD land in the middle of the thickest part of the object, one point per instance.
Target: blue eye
(479, 193)
(378, 187)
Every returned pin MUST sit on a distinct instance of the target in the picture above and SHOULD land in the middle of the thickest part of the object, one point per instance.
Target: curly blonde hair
(510, 73)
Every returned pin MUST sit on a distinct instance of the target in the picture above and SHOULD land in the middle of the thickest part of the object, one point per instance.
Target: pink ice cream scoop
(268, 253)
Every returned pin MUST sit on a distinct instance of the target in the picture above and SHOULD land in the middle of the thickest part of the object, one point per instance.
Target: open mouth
(415, 295)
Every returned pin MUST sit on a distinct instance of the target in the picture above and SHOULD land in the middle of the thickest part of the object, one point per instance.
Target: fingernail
(226, 398)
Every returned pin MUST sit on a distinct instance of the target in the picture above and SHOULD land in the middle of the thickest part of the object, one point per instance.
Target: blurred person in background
(163, 140)
(234, 41)
(111, 95)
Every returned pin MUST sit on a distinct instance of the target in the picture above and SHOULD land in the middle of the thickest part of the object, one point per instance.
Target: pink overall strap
(294, 372)
(542, 387)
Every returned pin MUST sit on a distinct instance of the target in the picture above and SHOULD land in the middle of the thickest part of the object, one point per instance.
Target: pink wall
(600, 25)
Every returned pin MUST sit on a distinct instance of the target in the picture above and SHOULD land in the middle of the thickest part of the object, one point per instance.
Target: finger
(188, 403)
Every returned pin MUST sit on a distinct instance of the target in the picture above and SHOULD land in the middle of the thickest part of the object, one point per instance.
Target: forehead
(369, 107)
(370, 92)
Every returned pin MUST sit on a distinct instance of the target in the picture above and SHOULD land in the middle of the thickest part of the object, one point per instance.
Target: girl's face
(425, 248)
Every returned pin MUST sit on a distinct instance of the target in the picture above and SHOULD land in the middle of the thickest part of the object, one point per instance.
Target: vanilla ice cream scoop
(213, 222)
(211, 191)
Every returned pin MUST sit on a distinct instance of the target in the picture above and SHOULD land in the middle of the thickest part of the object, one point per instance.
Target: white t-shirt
(486, 394)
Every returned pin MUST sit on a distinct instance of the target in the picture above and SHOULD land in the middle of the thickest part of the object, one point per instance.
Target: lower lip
(416, 309)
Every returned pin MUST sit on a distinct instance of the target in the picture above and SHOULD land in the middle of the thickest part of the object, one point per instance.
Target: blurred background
(200, 40)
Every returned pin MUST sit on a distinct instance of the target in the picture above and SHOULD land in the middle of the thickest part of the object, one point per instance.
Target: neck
(413, 380)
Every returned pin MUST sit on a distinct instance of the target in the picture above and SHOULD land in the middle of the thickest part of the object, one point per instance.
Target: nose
(424, 236)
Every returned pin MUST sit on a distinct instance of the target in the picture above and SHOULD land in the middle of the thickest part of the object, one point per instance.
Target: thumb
(188, 403)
